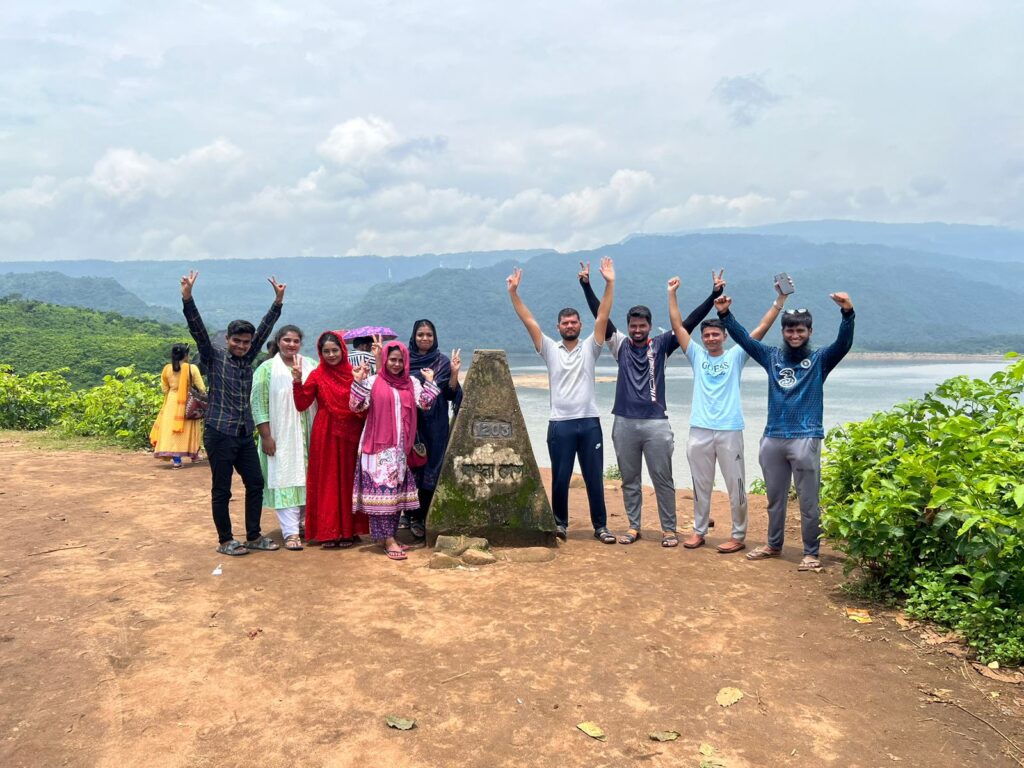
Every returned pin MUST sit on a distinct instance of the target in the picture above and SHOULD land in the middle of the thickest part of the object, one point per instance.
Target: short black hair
(241, 327)
(713, 322)
(567, 312)
(793, 317)
(640, 311)
(363, 341)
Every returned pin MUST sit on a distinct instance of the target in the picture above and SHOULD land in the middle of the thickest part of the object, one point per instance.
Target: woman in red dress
(333, 446)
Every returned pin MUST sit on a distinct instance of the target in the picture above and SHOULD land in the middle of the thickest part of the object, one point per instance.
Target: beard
(569, 335)
(797, 354)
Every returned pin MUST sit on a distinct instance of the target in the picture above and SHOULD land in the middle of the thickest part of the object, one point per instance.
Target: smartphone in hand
(785, 283)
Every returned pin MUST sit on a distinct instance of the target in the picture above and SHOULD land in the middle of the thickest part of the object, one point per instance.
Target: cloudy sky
(212, 129)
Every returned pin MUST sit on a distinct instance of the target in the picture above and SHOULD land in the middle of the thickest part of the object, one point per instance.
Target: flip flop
(293, 542)
(396, 554)
(809, 563)
(629, 536)
(763, 552)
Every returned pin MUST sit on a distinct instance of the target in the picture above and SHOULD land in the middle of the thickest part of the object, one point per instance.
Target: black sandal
(605, 536)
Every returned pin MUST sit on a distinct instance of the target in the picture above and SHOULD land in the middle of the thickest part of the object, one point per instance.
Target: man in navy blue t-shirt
(791, 445)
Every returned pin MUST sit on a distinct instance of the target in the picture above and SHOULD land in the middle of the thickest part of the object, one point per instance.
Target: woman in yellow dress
(173, 436)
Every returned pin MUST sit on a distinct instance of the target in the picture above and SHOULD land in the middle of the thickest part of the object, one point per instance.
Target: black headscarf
(433, 359)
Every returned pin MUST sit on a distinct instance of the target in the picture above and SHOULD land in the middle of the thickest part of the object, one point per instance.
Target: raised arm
(674, 316)
(717, 287)
(303, 392)
(837, 350)
(592, 301)
(772, 314)
(755, 349)
(605, 308)
(426, 393)
(195, 322)
(512, 281)
(267, 323)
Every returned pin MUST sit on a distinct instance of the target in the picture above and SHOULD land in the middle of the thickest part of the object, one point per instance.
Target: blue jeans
(567, 440)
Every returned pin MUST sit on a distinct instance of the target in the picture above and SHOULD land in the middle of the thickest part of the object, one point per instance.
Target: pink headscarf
(381, 429)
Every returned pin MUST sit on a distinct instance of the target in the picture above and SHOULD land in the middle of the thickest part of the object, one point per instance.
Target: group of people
(346, 446)
(352, 444)
(790, 450)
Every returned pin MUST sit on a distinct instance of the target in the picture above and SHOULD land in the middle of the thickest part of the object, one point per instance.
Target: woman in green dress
(283, 433)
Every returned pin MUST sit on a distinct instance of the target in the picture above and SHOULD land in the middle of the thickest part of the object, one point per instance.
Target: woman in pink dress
(384, 484)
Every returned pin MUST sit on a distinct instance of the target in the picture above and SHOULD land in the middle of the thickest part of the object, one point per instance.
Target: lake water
(854, 390)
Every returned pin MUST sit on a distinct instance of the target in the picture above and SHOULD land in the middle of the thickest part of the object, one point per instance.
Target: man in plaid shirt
(228, 435)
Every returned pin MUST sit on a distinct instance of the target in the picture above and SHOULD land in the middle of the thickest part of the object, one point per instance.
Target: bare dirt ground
(120, 648)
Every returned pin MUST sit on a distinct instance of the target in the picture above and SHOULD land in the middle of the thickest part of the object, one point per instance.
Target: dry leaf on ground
(401, 723)
(706, 749)
(664, 735)
(997, 674)
(593, 730)
(728, 696)
(860, 615)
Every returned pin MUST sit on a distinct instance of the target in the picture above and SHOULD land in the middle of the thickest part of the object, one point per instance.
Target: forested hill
(35, 336)
(905, 300)
(102, 293)
(319, 288)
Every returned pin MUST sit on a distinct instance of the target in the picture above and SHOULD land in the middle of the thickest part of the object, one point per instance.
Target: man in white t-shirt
(574, 427)
(716, 418)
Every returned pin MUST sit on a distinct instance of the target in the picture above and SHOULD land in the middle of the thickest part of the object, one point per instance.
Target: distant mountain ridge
(906, 300)
(922, 299)
(968, 240)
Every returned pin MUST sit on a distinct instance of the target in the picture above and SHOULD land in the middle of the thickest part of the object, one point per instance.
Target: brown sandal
(293, 542)
(730, 546)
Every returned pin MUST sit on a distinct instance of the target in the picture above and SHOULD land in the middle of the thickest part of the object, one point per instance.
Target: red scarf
(381, 430)
(334, 383)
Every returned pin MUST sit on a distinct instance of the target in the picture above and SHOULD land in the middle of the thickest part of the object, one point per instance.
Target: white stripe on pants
(703, 447)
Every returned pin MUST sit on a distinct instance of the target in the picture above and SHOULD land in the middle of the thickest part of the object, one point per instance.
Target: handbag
(417, 455)
(196, 401)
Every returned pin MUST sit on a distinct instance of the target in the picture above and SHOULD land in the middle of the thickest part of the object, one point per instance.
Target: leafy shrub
(33, 401)
(122, 409)
(613, 473)
(757, 486)
(927, 501)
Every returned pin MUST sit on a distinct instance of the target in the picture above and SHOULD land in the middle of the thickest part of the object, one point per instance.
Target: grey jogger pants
(703, 448)
(649, 440)
(800, 459)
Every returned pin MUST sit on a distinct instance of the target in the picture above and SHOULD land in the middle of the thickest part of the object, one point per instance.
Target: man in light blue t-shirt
(716, 419)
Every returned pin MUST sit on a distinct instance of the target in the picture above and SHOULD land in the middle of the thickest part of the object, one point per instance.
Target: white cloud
(359, 141)
(127, 174)
(348, 128)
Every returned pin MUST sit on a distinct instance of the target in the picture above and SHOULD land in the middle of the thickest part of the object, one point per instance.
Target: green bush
(927, 502)
(122, 409)
(34, 401)
(613, 473)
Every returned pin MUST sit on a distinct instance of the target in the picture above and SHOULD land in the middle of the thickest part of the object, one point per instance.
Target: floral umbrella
(370, 330)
